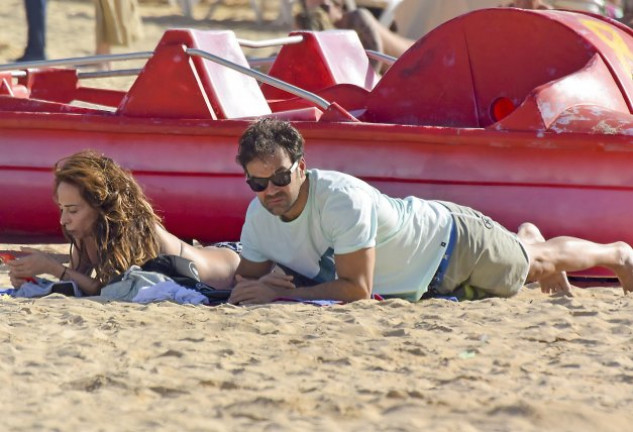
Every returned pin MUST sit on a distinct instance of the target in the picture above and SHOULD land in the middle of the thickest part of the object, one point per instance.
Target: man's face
(278, 200)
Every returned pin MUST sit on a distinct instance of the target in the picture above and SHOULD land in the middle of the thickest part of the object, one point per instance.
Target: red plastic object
(5, 257)
(169, 65)
(5, 88)
(55, 85)
(591, 85)
(193, 87)
(501, 108)
(452, 76)
(348, 96)
(321, 60)
(8, 88)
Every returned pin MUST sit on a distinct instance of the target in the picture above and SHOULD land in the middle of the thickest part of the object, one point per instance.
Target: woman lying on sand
(111, 226)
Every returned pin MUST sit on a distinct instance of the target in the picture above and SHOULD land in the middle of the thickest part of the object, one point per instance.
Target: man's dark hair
(265, 136)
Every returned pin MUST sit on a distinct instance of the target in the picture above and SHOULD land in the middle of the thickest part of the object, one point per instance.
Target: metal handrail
(373, 55)
(376, 55)
(289, 40)
(74, 61)
(261, 61)
(108, 73)
(267, 79)
(17, 68)
(254, 62)
(141, 55)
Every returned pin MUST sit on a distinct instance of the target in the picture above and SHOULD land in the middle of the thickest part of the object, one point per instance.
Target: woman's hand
(16, 282)
(33, 264)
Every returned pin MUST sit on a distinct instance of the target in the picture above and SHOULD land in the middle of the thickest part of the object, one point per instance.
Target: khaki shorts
(486, 256)
(118, 22)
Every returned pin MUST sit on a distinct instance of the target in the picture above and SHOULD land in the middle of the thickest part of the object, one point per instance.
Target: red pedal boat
(524, 115)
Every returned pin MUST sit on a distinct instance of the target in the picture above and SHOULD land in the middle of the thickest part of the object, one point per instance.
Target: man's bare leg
(573, 254)
(556, 283)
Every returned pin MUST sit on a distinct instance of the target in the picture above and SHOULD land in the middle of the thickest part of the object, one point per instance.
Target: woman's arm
(38, 262)
(88, 285)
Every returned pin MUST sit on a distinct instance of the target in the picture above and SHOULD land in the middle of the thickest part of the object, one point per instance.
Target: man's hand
(262, 290)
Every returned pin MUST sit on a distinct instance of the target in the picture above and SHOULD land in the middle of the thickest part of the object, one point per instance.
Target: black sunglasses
(280, 179)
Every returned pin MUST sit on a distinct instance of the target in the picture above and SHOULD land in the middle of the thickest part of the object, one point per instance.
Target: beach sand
(529, 363)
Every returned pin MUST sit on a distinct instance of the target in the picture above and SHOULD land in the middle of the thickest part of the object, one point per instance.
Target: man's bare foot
(556, 284)
(553, 284)
(624, 271)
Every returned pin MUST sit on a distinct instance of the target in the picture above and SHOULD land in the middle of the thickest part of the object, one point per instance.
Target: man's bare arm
(253, 270)
(355, 282)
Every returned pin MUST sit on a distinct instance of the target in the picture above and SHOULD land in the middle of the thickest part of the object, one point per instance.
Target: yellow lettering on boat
(612, 38)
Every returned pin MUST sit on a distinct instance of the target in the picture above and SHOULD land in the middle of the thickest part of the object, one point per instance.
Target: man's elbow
(361, 292)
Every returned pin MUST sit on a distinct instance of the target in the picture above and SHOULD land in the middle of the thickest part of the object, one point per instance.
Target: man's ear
(302, 166)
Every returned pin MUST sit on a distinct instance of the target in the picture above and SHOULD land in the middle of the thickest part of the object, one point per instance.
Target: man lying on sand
(352, 240)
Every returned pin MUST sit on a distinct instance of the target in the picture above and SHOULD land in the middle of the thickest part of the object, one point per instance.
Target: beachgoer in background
(627, 12)
(118, 23)
(111, 226)
(328, 14)
(36, 24)
(352, 240)
(530, 4)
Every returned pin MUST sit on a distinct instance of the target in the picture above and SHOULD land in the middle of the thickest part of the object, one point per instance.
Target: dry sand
(528, 363)
(524, 364)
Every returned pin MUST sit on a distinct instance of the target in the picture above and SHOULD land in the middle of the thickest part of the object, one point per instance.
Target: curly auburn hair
(126, 227)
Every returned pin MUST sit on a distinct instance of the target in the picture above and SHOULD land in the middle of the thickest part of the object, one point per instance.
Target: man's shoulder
(325, 180)
(334, 189)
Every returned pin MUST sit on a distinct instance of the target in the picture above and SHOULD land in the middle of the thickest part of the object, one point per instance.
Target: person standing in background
(36, 23)
(118, 23)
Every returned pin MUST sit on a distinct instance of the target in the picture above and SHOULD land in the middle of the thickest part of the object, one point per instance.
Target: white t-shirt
(343, 215)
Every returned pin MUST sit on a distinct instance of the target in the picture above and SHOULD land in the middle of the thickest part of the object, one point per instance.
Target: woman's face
(77, 217)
